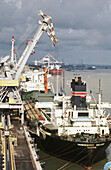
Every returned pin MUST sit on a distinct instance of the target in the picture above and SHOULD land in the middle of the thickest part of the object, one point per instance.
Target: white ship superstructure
(34, 81)
(71, 120)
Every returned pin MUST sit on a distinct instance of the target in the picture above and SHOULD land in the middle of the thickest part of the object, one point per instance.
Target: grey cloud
(82, 27)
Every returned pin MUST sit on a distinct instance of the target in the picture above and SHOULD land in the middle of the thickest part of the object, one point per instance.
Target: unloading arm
(44, 26)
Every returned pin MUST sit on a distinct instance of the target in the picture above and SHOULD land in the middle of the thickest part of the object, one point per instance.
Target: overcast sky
(83, 29)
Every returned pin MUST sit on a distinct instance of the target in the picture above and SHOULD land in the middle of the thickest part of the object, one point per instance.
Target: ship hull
(56, 71)
(85, 154)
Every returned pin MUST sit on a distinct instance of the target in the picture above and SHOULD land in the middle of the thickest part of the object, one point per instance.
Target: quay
(17, 151)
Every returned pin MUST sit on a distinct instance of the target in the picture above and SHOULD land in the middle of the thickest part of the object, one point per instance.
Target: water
(92, 78)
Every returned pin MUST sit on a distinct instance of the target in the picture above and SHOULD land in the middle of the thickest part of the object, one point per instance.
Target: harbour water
(92, 78)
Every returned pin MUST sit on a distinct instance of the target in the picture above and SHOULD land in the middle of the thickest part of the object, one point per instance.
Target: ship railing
(94, 125)
(86, 138)
(81, 108)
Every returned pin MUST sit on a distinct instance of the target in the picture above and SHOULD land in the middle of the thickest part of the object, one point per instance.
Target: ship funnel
(78, 93)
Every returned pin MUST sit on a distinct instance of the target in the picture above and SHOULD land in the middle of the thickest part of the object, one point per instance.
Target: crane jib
(44, 26)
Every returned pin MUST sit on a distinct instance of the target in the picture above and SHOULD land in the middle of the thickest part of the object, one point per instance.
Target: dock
(17, 151)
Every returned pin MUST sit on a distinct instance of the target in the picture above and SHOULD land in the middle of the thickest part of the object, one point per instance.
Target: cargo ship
(53, 65)
(73, 129)
(55, 70)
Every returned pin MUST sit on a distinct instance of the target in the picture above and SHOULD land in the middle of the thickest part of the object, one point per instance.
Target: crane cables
(21, 45)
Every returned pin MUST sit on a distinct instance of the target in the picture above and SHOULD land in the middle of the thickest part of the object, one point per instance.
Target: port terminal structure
(8, 161)
(11, 103)
(9, 153)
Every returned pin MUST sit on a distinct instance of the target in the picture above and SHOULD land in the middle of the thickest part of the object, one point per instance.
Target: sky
(82, 27)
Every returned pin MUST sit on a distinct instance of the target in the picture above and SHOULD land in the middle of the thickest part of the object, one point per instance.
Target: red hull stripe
(82, 96)
(78, 93)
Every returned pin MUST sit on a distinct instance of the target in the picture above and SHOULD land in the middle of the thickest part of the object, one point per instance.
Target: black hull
(70, 151)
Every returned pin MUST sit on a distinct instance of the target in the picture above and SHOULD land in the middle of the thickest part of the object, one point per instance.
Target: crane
(12, 70)
(9, 80)
(44, 26)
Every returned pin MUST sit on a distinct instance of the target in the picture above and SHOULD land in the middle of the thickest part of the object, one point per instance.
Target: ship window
(83, 114)
(27, 79)
(72, 114)
(102, 132)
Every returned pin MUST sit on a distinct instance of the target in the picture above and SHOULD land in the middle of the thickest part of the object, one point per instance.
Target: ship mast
(12, 51)
(100, 94)
(63, 83)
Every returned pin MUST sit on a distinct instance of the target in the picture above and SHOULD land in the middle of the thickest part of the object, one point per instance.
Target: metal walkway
(17, 152)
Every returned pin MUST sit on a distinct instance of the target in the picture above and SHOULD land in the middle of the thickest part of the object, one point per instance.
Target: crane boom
(30, 47)
(27, 52)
